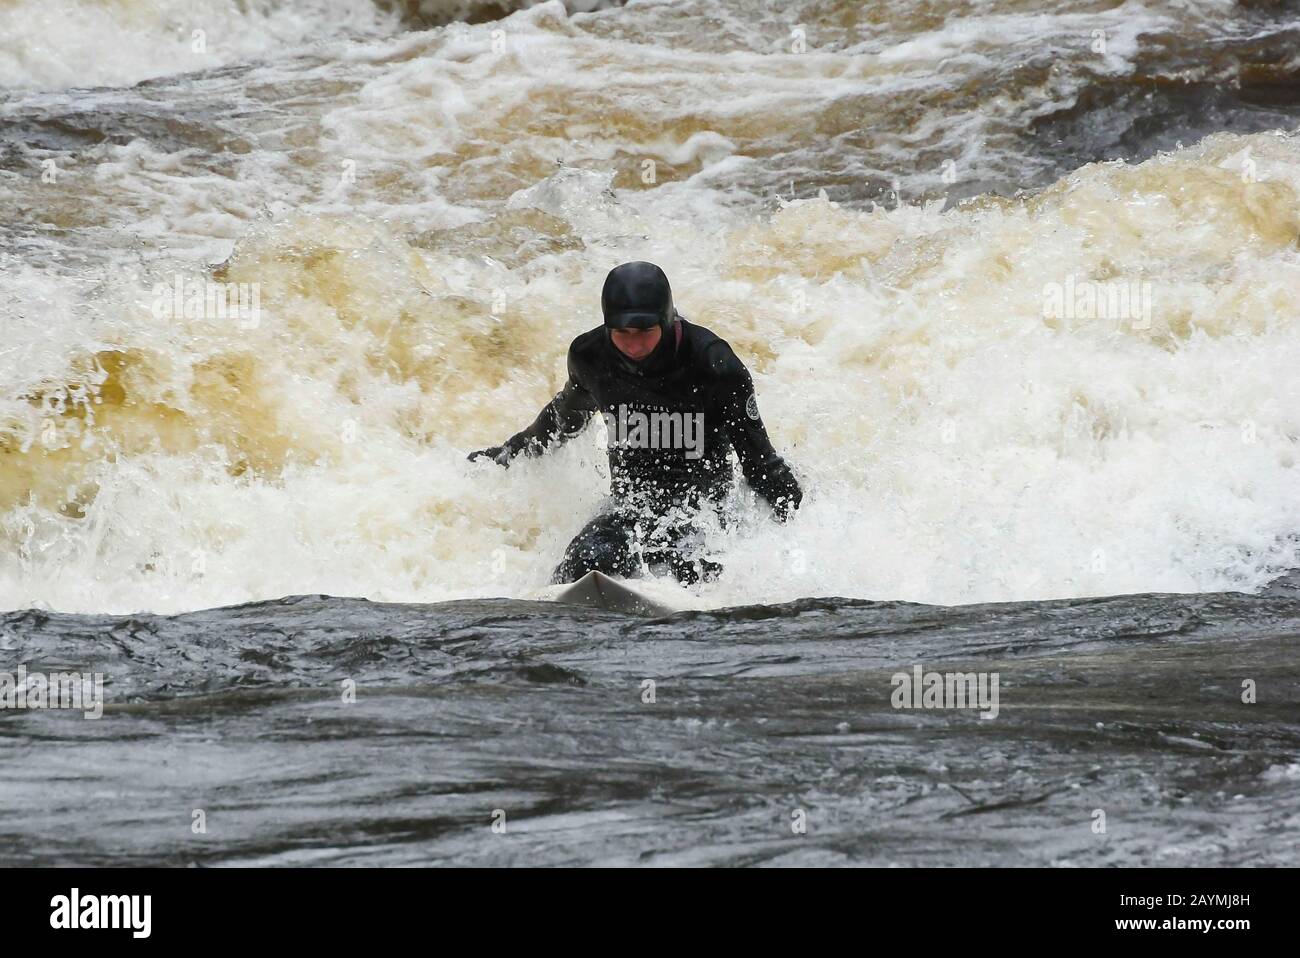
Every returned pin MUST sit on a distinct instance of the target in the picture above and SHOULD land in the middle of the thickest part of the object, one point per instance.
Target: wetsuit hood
(637, 296)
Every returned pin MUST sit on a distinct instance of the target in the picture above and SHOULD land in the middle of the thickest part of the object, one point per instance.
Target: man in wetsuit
(675, 400)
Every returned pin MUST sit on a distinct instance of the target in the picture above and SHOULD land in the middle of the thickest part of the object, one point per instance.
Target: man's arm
(766, 472)
(560, 419)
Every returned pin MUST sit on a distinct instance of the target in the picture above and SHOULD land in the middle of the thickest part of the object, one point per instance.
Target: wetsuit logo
(751, 406)
(658, 429)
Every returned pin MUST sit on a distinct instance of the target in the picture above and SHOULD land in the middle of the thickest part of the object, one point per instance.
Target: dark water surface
(1131, 705)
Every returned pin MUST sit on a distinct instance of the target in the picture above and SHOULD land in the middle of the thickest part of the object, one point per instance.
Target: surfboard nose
(597, 590)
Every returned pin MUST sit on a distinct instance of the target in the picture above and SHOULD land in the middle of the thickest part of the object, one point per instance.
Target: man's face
(636, 344)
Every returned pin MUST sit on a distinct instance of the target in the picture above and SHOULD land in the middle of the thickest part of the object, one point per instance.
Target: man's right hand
(498, 454)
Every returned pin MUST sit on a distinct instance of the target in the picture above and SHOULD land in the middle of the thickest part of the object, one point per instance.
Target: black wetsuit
(698, 403)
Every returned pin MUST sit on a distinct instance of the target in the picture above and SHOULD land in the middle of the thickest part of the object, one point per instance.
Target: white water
(54, 44)
(57, 44)
(955, 443)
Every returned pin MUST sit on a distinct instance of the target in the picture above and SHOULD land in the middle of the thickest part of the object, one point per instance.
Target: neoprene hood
(637, 295)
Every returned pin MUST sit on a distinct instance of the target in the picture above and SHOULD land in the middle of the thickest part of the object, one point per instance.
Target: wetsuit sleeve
(560, 419)
(766, 472)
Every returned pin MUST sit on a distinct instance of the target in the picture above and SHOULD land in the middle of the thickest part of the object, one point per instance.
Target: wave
(965, 434)
(1082, 388)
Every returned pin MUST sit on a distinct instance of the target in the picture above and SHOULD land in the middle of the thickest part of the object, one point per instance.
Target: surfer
(676, 400)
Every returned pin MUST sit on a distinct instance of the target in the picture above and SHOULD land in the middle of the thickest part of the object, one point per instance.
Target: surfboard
(599, 591)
